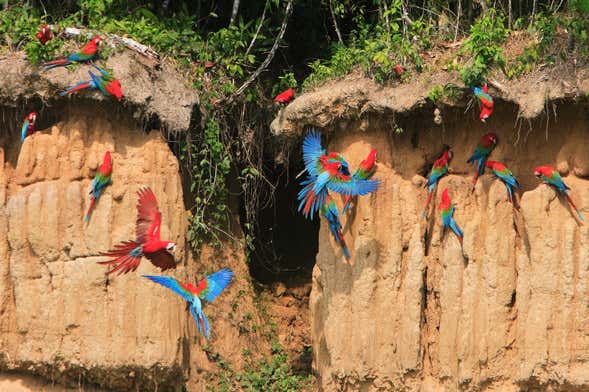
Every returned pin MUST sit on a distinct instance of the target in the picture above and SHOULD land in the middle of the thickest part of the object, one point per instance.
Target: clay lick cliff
(62, 321)
(408, 313)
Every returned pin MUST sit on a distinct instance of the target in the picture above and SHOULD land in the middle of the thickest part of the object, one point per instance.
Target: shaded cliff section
(63, 322)
(408, 312)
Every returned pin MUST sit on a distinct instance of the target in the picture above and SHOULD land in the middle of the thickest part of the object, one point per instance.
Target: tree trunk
(339, 34)
(234, 12)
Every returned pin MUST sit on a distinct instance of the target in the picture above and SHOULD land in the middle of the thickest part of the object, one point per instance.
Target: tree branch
(270, 56)
(339, 34)
(255, 37)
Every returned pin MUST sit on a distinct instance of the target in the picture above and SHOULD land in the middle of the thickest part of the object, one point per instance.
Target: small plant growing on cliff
(484, 45)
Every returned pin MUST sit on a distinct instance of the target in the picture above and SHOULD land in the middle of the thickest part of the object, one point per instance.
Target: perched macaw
(439, 170)
(329, 211)
(88, 53)
(44, 34)
(504, 174)
(28, 126)
(485, 100)
(551, 176)
(101, 180)
(208, 289)
(363, 172)
(327, 171)
(481, 153)
(105, 82)
(447, 215)
(284, 97)
(127, 255)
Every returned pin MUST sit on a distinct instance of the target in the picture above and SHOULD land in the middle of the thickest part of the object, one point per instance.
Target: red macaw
(101, 180)
(127, 255)
(447, 215)
(439, 170)
(481, 153)
(485, 100)
(208, 289)
(28, 126)
(44, 34)
(284, 97)
(363, 172)
(327, 172)
(329, 211)
(88, 53)
(505, 175)
(106, 83)
(551, 176)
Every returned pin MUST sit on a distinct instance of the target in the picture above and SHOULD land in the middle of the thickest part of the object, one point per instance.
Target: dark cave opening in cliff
(286, 243)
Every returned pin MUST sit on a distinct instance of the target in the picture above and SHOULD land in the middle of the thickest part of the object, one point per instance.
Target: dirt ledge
(356, 97)
(150, 88)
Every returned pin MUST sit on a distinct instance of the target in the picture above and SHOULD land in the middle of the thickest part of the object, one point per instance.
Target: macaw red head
(97, 40)
(485, 113)
(285, 96)
(545, 171)
(491, 164)
(107, 159)
(447, 152)
(485, 88)
(170, 246)
(368, 163)
(32, 117)
(114, 88)
(490, 139)
(445, 200)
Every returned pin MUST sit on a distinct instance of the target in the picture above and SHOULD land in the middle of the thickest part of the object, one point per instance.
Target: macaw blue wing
(312, 151)
(211, 286)
(173, 284)
(353, 186)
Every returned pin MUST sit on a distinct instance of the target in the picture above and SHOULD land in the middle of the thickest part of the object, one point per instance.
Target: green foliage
(378, 48)
(268, 374)
(484, 45)
(449, 91)
(285, 81)
(209, 159)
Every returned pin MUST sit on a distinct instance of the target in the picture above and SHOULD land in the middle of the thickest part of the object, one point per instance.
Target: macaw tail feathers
(342, 242)
(90, 207)
(55, 63)
(347, 203)
(126, 257)
(570, 200)
(78, 87)
(427, 201)
(457, 231)
(509, 193)
(202, 324)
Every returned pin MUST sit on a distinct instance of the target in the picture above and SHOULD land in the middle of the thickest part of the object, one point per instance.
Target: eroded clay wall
(408, 312)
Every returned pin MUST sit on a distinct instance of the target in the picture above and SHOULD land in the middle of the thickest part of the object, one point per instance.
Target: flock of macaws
(126, 256)
(326, 172)
(330, 172)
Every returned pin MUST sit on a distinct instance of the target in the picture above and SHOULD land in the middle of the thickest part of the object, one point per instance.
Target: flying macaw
(481, 153)
(447, 215)
(105, 82)
(327, 171)
(329, 211)
(551, 176)
(88, 53)
(28, 126)
(504, 174)
(363, 172)
(284, 97)
(439, 170)
(127, 255)
(208, 289)
(485, 100)
(101, 180)
(44, 34)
